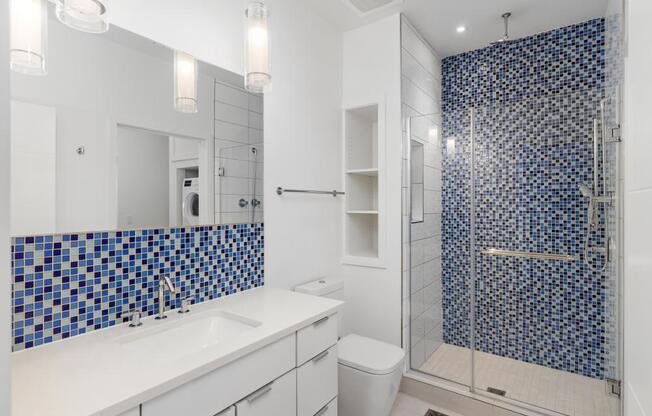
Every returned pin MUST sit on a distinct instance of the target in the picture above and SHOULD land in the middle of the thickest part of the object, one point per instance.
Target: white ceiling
(437, 20)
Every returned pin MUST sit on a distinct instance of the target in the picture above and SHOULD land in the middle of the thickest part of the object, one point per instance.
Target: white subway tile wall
(422, 294)
(239, 155)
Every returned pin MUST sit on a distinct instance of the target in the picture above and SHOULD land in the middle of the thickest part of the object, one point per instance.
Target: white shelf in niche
(363, 172)
(363, 222)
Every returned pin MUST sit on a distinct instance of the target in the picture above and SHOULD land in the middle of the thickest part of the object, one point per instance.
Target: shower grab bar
(281, 191)
(527, 254)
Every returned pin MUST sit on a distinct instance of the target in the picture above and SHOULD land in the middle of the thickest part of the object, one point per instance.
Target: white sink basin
(187, 334)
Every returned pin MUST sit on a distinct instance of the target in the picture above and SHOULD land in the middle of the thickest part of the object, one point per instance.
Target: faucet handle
(135, 318)
(164, 280)
(185, 304)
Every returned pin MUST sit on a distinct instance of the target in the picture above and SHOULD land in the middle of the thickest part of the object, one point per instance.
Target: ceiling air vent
(368, 6)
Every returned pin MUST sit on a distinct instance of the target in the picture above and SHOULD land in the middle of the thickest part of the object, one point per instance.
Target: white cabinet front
(279, 398)
(329, 410)
(313, 339)
(215, 391)
(317, 382)
(133, 412)
(227, 412)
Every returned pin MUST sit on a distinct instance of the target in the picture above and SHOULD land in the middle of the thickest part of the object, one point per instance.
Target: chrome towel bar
(529, 255)
(281, 191)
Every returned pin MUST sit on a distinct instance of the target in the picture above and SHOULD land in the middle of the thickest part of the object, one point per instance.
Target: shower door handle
(527, 254)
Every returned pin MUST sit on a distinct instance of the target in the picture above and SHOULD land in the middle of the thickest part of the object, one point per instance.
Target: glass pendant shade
(257, 48)
(28, 36)
(185, 83)
(84, 15)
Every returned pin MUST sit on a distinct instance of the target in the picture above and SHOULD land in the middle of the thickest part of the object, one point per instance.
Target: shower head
(505, 38)
(586, 191)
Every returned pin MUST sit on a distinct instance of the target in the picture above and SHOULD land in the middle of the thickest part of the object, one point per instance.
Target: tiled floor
(406, 405)
(563, 392)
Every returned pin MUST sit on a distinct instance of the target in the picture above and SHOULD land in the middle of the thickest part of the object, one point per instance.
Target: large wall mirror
(98, 145)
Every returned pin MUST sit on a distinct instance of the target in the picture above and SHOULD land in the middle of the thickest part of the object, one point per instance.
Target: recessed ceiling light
(461, 29)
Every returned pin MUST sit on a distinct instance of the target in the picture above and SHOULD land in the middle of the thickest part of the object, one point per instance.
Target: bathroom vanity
(262, 352)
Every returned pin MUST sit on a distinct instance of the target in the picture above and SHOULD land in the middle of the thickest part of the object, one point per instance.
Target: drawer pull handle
(322, 411)
(321, 321)
(321, 356)
(259, 393)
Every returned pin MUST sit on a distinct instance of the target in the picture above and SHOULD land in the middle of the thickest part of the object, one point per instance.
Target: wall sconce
(450, 146)
(257, 48)
(433, 132)
(185, 83)
(28, 36)
(85, 15)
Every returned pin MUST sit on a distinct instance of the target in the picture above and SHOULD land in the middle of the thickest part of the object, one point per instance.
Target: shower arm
(506, 17)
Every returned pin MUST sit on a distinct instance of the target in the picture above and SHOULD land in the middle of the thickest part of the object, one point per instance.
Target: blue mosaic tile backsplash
(534, 102)
(67, 285)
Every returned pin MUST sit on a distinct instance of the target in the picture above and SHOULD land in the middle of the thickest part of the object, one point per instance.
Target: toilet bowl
(369, 375)
(369, 371)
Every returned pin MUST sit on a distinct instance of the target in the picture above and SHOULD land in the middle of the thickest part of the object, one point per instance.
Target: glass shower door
(239, 184)
(538, 311)
(437, 279)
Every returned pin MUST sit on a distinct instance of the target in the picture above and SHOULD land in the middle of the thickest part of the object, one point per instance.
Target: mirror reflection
(99, 143)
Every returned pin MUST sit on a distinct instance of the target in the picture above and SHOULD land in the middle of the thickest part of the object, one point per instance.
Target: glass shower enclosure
(239, 184)
(511, 266)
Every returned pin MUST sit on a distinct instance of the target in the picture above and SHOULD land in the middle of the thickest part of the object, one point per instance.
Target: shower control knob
(255, 202)
(243, 202)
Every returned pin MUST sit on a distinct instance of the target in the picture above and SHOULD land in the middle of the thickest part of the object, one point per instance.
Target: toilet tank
(326, 287)
(329, 288)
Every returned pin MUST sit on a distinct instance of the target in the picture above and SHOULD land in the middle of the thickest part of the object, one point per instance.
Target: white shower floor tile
(556, 390)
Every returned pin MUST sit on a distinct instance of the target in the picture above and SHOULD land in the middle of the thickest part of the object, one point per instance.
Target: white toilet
(369, 371)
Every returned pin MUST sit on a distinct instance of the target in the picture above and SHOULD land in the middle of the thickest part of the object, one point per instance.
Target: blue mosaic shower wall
(534, 102)
(71, 284)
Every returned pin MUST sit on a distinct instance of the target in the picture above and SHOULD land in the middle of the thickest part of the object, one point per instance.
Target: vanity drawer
(277, 398)
(317, 382)
(133, 412)
(215, 391)
(329, 410)
(227, 412)
(316, 338)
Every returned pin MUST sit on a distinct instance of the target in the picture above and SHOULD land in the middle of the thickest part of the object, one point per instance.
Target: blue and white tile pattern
(67, 285)
(534, 102)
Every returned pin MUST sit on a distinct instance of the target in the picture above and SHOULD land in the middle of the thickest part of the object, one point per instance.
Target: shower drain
(434, 413)
(496, 391)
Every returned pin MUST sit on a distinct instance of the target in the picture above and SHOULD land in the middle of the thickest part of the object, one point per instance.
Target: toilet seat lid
(369, 355)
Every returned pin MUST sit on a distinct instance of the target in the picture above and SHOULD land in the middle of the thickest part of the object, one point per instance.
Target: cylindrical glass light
(84, 15)
(28, 36)
(185, 83)
(257, 48)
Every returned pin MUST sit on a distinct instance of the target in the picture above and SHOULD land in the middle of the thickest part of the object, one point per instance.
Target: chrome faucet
(163, 282)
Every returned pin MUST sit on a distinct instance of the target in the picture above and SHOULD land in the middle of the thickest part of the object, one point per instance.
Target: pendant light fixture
(185, 83)
(257, 48)
(28, 36)
(84, 15)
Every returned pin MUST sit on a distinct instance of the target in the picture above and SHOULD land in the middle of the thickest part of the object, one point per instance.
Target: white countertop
(94, 375)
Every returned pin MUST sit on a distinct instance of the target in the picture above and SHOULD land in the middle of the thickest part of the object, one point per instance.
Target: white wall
(372, 72)
(33, 168)
(211, 30)
(302, 146)
(638, 205)
(143, 179)
(5, 275)
(238, 130)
